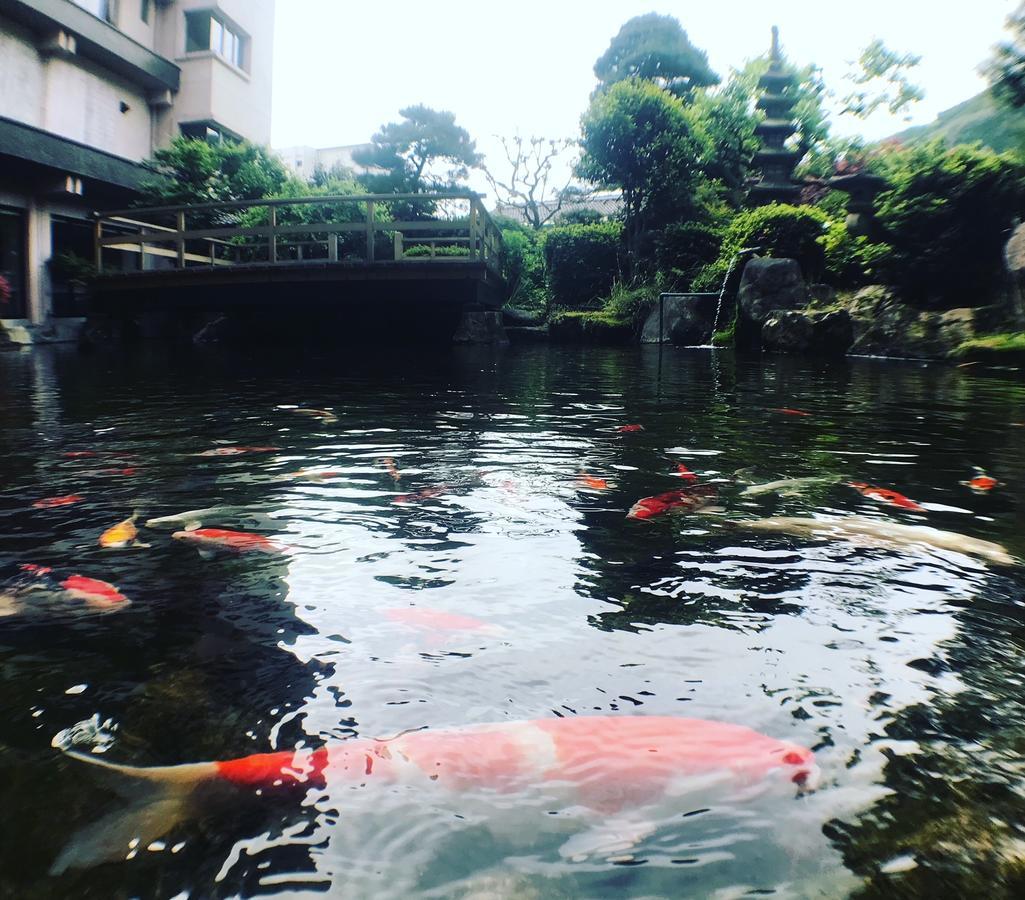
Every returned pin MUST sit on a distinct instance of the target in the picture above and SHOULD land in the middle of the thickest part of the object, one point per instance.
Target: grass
(993, 345)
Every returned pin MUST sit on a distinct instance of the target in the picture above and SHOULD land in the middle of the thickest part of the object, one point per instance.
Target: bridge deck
(444, 247)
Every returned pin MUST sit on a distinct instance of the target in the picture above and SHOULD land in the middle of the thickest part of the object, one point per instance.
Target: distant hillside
(979, 119)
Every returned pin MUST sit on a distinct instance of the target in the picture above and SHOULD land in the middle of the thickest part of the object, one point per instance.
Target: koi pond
(396, 609)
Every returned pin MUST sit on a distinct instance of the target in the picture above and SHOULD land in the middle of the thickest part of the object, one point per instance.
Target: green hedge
(684, 248)
(582, 262)
(443, 250)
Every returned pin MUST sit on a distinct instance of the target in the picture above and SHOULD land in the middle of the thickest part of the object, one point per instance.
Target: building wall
(212, 88)
(22, 75)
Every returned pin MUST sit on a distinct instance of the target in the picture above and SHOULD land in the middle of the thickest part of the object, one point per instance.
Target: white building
(90, 88)
(303, 162)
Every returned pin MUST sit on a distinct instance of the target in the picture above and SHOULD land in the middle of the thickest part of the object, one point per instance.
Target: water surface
(902, 668)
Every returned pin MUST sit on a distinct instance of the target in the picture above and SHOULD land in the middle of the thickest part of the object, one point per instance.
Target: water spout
(722, 293)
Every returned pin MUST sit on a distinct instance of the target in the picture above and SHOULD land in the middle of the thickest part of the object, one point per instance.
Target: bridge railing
(360, 229)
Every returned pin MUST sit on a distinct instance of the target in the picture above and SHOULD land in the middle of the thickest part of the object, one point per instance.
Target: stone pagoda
(775, 162)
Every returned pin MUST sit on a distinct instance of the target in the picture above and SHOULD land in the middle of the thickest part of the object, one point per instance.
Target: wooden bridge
(416, 251)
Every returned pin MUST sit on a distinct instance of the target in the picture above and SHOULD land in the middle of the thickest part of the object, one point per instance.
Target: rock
(686, 320)
(833, 333)
(527, 334)
(812, 333)
(480, 327)
(822, 294)
(787, 332)
(1014, 251)
(770, 285)
(520, 317)
(886, 326)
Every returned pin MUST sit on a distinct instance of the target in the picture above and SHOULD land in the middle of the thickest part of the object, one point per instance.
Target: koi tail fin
(158, 798)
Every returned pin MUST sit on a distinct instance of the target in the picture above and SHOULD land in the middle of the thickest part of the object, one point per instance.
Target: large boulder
(787, 331)
(770, 285)
(805, 332)
(886, 326)
(687, 319)
(480, 327)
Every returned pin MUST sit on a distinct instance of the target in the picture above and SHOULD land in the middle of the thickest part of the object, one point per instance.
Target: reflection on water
(473, 579)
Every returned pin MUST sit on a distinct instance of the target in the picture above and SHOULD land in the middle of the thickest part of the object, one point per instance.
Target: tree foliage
(531, 182)
(880, 78)
(948, 212)
(655, 48)
(196, 171)
(640, 139)
(426, 151)
(1006, 68)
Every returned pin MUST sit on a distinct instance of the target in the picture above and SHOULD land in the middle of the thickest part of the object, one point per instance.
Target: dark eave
(97, 40)
(41, 148)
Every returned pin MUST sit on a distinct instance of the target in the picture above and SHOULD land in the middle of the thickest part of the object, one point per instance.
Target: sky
(343, 68)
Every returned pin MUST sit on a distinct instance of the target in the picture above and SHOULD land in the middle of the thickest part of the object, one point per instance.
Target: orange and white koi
(392, 468)
(686, 500)
(426, 493)
(235, 451)
(884, 495)
(787, 411)
(55, 502)
(122, 535)
(605, 767)
(222, 538)
(592, 482)
(325, 415)
(316, 474)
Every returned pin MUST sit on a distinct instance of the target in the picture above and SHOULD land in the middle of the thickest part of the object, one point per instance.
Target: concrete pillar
(39, 251)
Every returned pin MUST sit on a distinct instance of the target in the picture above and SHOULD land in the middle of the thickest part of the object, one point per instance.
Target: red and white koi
(56, 502)
(426, 493)
(884, 495)
(602, 767)
(436, 620)
(630, 429)
(392, 469)
(787, 411)
(685, 500)
(225, 539)
(683, 472)
(981, 483)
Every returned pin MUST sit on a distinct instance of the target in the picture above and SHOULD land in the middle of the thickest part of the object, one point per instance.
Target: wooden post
(370, 232)
(473, 229)
(97, 246)
(272, 245)
(180, 241)
(332, 247)
(399, 249)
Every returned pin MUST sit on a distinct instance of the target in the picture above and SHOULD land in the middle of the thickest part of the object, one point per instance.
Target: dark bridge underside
(332, 301)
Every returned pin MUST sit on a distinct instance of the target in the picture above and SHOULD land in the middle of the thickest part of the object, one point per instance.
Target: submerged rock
(480, 327)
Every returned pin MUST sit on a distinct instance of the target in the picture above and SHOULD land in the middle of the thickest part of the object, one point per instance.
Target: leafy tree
(727, 119)
(640, 139)
(1006, 68)
(947, 212)
(529, 183)
(655, 48)
(881, 79)
(196, 171)
(426, 151)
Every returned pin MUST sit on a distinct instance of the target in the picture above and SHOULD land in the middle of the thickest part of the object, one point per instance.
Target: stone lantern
(775, 162)
(862, 188)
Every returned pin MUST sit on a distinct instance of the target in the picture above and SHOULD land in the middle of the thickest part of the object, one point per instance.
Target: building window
(205, 31)
(144, 11)
(102, 9)
(202, 131)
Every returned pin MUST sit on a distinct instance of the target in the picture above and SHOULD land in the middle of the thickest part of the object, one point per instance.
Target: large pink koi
(605, 764)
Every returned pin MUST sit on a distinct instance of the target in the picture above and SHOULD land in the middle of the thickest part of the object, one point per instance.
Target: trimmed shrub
(683, 249)
(780, 230)
(853, 260)
(443, 250)
(582, 262)
(523, 267)
(947, 213)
